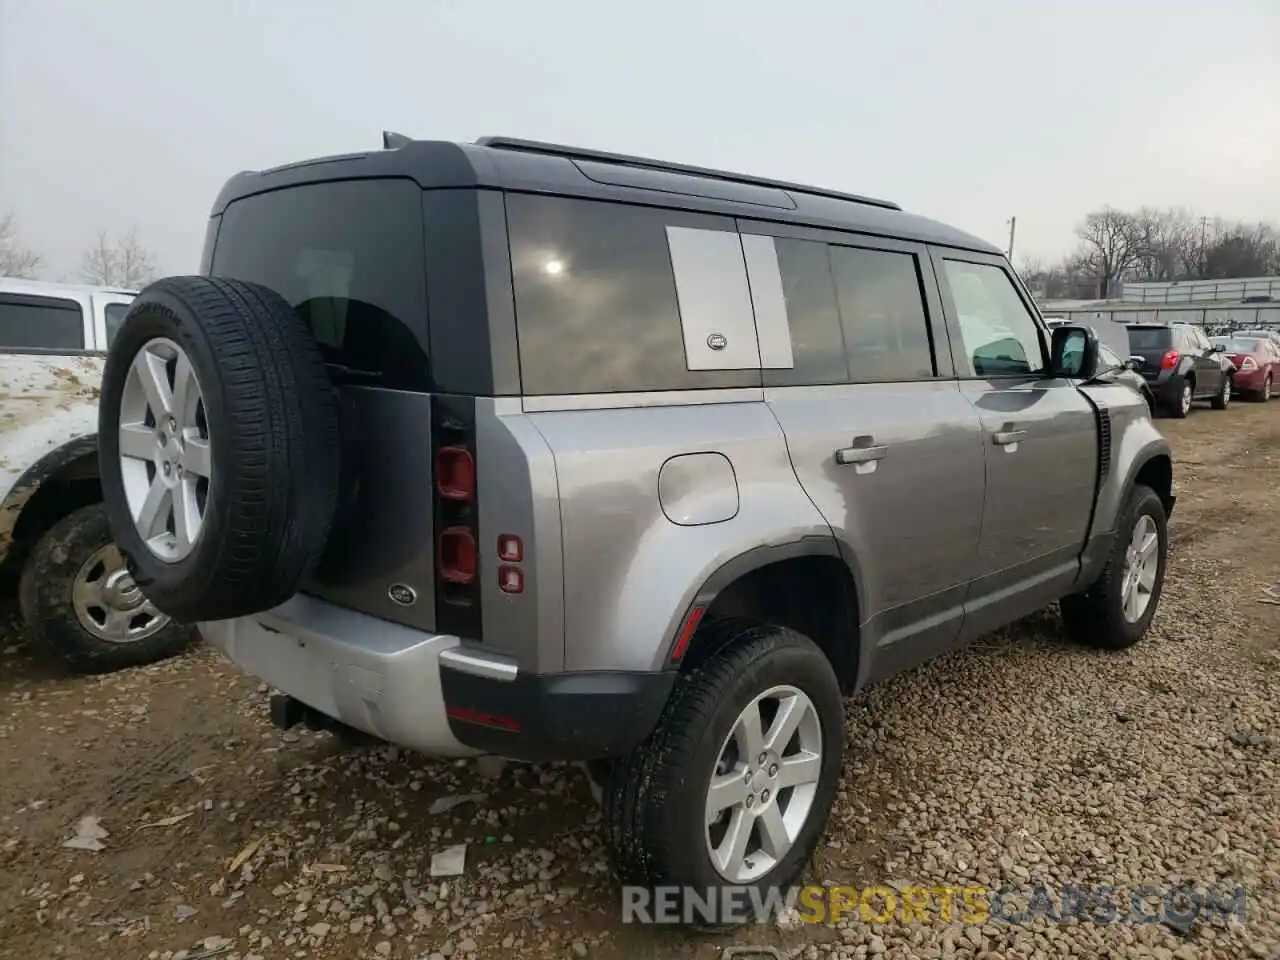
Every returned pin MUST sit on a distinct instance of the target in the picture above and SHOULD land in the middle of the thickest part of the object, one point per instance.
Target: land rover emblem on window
(402, 594)
(717, 341)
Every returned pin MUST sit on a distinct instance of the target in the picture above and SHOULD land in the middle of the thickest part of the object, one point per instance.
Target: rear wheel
(734, 786)
(1222, 399)
(1182, 404)
(1265, 393)
(81, 604)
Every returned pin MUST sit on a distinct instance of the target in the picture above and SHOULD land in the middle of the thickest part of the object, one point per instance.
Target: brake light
(1169, 360)
(457, 555)
(455, 473)
(1248, 363)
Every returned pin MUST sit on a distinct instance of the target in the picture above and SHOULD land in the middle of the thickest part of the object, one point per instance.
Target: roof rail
(600, 156)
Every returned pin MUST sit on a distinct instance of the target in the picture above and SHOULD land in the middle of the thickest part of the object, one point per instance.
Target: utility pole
(1204, 251)
(1013, 226)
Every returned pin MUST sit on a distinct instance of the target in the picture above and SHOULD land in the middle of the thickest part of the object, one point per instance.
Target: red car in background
(1257, 362)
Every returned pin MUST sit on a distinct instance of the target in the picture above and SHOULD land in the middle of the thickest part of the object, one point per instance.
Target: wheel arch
(807, 585)
(62, 480)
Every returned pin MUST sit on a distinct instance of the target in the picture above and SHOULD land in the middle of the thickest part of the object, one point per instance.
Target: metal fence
(1213, 319)
(1201, 291)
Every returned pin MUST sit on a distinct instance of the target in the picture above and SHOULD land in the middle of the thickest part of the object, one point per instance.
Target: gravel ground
(1019, 760)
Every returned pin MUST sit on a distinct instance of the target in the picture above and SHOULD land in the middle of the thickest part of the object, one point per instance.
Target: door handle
(1003, 438)
(855, 455)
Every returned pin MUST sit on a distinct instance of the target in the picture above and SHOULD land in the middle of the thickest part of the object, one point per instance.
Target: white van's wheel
(80, 602)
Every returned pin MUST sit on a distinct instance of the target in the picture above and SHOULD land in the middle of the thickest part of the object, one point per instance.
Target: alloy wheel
(165, 457)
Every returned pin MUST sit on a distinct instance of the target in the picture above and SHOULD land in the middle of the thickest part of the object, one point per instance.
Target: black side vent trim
(1104, 444)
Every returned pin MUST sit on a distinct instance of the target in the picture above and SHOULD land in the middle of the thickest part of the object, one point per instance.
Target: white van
(76, 596)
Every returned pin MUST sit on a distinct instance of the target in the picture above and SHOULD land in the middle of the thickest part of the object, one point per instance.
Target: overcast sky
(119, 113)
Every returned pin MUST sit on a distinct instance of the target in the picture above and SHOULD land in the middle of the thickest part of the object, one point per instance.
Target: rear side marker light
(510, 548)
(457, 555)
(511, 579)
(455, 473)
(687, 630)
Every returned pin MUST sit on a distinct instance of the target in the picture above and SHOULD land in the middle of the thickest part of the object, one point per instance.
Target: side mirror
(1135, 364)
(1074, 354)
(1218, 348)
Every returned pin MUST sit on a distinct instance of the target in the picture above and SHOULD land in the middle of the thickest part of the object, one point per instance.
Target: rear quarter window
(349, 256)
(598, 308)
(40, 323)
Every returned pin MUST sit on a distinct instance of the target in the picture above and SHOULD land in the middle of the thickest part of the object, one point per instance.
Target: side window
(886, 329)
(1000, 335)
(615, 299)
(114, 314)
(45, 323)
(812, 316)
(854, 315)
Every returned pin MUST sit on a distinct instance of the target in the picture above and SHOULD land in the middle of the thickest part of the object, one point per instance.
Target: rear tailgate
(1151, 344)
(348, 255)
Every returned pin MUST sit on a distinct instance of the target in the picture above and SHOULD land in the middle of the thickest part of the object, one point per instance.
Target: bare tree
(1242, 251)
(15, 259)
(1111, 242)
(122, 262)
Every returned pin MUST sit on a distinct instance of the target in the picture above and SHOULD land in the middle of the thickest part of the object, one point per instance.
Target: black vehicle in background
(1181, 366)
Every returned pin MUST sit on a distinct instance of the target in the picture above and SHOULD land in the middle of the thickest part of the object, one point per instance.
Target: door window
(41, 323)
(1000, 336)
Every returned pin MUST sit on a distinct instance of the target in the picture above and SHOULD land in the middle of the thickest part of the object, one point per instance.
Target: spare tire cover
(218, 446)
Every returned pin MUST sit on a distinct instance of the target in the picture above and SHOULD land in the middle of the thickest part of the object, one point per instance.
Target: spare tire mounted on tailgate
(219, 447)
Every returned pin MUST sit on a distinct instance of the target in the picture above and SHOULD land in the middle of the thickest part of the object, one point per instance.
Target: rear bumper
(431, 693)
(370, 674)
(568, 716)
(1249, 381)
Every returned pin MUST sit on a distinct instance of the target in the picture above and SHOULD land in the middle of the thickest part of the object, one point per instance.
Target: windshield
(1237, 344)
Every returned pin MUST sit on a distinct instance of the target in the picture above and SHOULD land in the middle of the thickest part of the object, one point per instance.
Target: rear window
(350, 258)
(40, 323)
(1238, 344)
(1148, 338)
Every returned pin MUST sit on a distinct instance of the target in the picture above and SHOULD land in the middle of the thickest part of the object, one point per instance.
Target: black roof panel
(529, 166)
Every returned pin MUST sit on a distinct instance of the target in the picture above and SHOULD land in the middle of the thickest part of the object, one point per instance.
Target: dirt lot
(1021, 757)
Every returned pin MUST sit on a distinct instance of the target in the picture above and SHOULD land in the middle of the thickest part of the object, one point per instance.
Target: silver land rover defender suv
(514, 448)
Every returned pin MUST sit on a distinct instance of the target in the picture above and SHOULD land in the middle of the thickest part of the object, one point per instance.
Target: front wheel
(733, 788)
(1222, 399)
(1115, 612)
(1265, 393)
(80, 602)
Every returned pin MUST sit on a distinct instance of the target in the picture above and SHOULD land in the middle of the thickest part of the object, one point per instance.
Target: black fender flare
(33, 478)
(755, 559)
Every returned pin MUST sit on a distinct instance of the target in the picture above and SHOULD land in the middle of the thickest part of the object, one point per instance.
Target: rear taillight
(1169, 360)
(510, 548)
(457, 555)
(1248, 363)
(455, 473)
(510, 552)
(456, 518)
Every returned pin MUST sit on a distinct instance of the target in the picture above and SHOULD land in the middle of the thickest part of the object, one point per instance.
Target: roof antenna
(394, 141)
